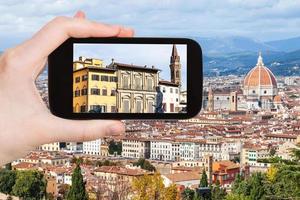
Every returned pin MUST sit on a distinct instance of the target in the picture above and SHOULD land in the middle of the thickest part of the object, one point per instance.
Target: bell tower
(175, 67)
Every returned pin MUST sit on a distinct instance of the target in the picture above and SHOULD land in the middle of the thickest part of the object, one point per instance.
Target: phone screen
(129, 78)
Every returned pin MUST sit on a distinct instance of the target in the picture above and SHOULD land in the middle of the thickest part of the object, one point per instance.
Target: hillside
(281, 63)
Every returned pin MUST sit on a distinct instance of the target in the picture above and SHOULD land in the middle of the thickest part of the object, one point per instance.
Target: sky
(137, 54)
(262, 20)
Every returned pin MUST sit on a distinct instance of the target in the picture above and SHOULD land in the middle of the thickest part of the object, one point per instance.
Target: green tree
(77, 190)
(144, 164)
(286, 182)
(188, 194)
(272, 152)
(240, 186)
(218, 193)
(8, 166)
(196, 196)
(236, 184)
(233, 196)
(115, 147)
(203, 181)
(257, 190)
(296, 153)
(29, 184)
(7, 181)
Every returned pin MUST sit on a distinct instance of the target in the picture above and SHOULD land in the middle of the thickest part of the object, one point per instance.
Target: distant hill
(281, 63)
(223, 45)
(219, 46)
(237, 55)
(286, 45)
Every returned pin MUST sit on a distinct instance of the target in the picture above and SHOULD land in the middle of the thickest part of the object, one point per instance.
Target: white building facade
(92, 147)
(171, 96)
(135, 148)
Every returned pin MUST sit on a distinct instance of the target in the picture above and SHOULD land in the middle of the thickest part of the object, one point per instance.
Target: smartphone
(126, 78)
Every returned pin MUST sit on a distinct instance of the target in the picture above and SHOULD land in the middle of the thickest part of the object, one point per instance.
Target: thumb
(64, 130)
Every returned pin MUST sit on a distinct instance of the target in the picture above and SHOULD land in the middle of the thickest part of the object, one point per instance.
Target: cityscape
(247, 132)
(243, 145)
(127, 87)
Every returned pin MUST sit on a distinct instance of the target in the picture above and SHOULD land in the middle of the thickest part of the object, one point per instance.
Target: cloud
(259, 19)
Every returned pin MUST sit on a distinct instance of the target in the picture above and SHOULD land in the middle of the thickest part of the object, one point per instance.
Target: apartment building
(230, 149)
(252, 153)
(165, 150)
(92, 147)
(210, 148)
(135, 148)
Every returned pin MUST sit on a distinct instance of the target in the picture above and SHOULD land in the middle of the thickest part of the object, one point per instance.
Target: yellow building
(94, 86)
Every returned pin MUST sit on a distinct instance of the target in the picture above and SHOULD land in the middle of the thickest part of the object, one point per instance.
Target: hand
(25, 122)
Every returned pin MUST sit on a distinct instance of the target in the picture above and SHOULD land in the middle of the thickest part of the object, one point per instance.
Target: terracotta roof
(121, 170)
(24, 165)
(184, 168)
(184, 176)
(282, 136)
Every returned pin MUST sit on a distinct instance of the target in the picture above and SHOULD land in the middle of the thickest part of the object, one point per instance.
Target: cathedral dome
(260, 75)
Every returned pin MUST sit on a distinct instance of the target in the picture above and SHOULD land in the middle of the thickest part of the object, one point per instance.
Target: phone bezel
(60, 79)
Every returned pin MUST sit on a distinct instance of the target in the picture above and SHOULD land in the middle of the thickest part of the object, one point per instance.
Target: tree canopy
(77, 190)
(29, 184)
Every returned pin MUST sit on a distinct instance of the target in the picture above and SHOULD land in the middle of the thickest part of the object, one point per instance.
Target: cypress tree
(77, 189)
(203, 181)
(236, 184)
